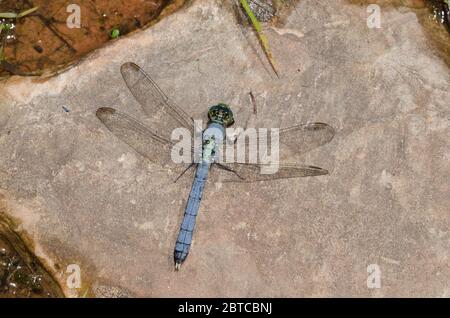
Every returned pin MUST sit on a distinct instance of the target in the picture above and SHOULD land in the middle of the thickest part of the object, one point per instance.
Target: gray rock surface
(87, 198)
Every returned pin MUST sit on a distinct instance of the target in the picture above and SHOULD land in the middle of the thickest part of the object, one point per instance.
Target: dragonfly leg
(183, 173)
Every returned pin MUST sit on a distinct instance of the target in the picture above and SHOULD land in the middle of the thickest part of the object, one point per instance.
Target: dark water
(43, 42)
(21, 273)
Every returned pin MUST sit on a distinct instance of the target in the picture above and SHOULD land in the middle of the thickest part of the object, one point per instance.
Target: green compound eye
(221, 114)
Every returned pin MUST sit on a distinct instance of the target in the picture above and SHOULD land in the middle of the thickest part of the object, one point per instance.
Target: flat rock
(86, 198)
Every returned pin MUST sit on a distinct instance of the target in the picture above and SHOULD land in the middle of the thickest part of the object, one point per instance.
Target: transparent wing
(164, 114)
(292, 140)
(242, 172)
(305, 137)
(141, 138)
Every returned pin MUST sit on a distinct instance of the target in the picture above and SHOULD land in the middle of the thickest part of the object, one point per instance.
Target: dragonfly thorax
(213, 138)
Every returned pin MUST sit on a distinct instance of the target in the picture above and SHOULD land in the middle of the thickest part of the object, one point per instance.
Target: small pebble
(38, 48)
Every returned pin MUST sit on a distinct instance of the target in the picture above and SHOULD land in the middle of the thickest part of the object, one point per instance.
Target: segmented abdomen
(190, 214)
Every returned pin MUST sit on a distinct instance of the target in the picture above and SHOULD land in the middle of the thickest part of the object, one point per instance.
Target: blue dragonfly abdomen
(184, 239)
(212, 138)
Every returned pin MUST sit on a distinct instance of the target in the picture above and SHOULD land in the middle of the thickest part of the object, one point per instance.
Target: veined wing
(242, 172)
(138, 136)
(305, 137)
(164, 114)
(291, 141)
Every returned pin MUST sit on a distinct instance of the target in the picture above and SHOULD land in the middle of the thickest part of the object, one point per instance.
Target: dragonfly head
(221, 114)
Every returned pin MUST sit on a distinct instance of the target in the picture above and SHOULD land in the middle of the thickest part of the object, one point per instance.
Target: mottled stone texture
(87, 198)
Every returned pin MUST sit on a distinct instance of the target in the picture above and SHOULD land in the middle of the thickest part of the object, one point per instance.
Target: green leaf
(2, 54)
(115, 33)
(27, 12)
(8, 15)
(262, 37)
(13, 15)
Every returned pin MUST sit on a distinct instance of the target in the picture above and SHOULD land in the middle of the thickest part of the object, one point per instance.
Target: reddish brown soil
(42, 42)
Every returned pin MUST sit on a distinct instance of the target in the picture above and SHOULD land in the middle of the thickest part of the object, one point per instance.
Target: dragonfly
(153, 140)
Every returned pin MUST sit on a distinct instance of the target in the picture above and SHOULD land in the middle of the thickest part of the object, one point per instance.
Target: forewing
(242, 172)
(164, 114)
(138, 136)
